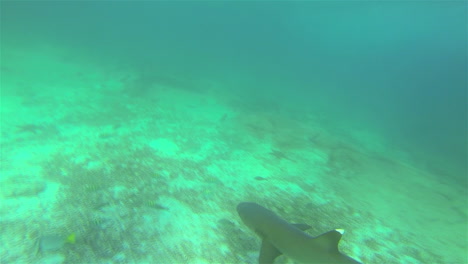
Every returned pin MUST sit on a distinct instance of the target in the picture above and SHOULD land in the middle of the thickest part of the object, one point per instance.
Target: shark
(281, 237)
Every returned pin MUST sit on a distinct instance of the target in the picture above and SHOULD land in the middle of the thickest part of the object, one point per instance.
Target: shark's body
(280, 237)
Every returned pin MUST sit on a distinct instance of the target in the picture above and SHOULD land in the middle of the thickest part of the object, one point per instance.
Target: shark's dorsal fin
(330, 239)
(268, 252)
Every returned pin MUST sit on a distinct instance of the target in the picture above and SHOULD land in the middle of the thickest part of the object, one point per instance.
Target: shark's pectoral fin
(268, 253)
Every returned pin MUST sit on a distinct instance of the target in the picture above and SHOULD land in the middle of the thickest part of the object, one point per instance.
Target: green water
(139, 127)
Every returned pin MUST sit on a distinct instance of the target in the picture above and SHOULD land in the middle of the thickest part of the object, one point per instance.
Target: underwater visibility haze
(132, 130)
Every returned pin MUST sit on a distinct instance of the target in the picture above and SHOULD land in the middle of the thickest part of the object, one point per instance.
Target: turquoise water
(137, 127)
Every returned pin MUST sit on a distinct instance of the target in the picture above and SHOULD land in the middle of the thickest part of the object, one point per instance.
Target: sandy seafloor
(150, 170)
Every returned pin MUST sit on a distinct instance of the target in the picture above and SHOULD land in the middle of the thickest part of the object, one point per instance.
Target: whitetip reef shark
(280, 237)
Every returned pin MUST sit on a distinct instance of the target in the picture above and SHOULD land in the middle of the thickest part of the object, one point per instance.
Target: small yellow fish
(71, 238)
